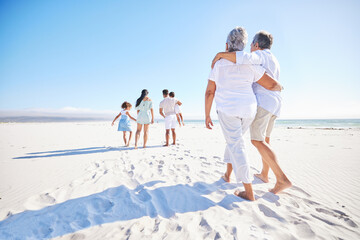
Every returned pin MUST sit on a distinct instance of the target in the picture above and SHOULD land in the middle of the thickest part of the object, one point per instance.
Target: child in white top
(177, 111)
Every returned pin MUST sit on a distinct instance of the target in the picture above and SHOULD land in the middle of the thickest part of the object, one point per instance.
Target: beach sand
(78, 181)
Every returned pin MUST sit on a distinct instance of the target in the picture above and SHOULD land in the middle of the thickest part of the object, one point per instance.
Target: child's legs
(124, 137)
(178, 119)
(130, 135)
(181, 117)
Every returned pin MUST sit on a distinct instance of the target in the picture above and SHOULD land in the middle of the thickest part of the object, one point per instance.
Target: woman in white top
(231, 86)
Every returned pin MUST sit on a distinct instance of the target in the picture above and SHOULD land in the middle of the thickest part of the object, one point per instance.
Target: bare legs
(178, 119)
(173, 135)
(124, 137)
(247, 194)
(167, 136)
(270, 160)
(146, 131)
(264, 175)
(137, 135)
(182, 119)
(227, 174)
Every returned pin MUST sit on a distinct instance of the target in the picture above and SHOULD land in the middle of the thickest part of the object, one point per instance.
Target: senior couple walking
(247, 94)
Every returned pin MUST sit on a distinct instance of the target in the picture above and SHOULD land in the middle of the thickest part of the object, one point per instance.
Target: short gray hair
(264, 39)
(237, 39)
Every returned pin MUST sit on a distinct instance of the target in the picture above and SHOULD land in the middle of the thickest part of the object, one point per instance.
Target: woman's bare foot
(166, 145)
(244, 195)
(280, 186)
(126, 145)
(135, 147)
(144, 146)
(265, 179)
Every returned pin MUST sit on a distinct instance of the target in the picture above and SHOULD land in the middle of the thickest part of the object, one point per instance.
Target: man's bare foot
(166, 145)
(265, 179)
(135, 147)
(173, 144)
(144, 146)
(225, 177)
(280, 187)
(244, 195)
(183, 124)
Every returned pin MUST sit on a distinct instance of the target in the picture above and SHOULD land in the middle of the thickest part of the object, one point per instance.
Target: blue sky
(96, 54)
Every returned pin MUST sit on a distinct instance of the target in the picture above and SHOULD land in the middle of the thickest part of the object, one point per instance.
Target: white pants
(170, 122)
(233, 129)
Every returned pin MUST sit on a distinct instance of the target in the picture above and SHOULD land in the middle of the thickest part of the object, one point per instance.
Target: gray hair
(237, 39)
(264, 39)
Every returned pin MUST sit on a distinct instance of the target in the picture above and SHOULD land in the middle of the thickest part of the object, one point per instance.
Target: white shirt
(234, 95)
(168, 105)
(267, 99)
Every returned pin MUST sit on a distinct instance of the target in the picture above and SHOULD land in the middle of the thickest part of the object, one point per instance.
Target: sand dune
(76, 181)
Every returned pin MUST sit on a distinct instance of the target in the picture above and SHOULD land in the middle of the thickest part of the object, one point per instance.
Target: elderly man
(269, 105)
(168, 106)
(231, 86)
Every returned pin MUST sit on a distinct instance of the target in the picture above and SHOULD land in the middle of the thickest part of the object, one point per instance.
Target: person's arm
(112, 124)
(161, 112)
(269, 83)
(152, 115)
(231, 56)
(209, 97)
(179, 103)
(127, 113)
(240, 57)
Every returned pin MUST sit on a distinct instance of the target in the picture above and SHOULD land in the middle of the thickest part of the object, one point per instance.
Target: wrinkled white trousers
(233, 129)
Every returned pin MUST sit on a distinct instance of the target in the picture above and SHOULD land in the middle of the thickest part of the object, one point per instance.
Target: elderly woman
(236, 105)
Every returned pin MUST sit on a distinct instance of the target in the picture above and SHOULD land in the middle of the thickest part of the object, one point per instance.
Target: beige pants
(262, 125)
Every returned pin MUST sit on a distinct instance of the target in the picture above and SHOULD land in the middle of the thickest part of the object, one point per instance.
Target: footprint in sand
(77, 236)
(204, 224)
(37, 202)
(300, 190)
(270, 213)
(338, 214)
(303, 229)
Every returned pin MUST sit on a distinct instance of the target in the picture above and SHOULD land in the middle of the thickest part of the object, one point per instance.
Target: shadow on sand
(79, 151)
(115, 204)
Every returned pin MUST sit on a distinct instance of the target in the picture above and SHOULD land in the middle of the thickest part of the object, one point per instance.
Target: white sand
(76, 181)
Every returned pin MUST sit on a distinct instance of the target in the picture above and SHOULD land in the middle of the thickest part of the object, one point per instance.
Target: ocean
(286, 123)
(305, 123)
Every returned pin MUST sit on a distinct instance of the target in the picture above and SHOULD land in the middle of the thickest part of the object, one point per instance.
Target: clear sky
(97, 54)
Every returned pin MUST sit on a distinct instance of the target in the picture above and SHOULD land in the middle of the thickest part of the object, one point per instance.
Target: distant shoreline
(331, 124)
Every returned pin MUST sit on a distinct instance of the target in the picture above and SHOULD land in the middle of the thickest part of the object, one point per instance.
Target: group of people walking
(247, 94)
(169, 109)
